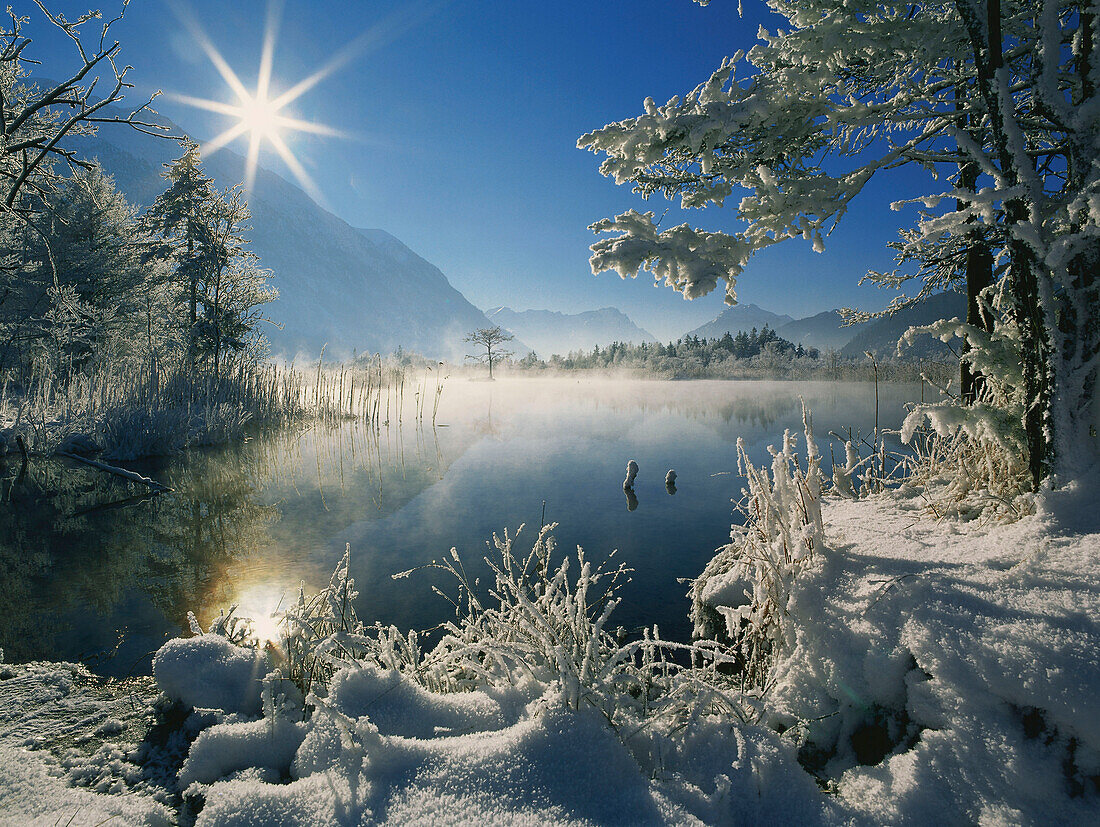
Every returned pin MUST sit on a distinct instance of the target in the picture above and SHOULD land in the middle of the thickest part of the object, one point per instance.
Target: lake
(92, 569)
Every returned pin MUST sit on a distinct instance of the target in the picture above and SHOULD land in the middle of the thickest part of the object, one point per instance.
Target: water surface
(90, 569)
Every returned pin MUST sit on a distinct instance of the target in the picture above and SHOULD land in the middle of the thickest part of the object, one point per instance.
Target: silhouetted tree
(493, 340)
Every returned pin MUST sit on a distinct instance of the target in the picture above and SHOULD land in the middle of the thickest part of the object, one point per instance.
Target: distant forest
(758, 354)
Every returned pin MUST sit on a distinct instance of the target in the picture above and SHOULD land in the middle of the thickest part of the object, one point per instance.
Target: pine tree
(201, 234)
(179, 221)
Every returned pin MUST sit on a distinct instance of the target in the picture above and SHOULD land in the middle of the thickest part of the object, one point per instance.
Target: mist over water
(87, 570)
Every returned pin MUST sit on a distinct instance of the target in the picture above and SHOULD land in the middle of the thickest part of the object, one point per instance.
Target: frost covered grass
(860, 660)
(130, 411)
(742, 595)
(543, 622)
(528, 706)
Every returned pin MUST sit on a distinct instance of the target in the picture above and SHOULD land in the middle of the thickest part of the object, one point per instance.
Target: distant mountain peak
(740, 317)
(552, 331)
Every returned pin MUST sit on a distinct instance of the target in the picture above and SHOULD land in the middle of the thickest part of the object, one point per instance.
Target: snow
(983, 642)
(265, 744)
(30, 795)
(209, 672)
(940, 671)
(61, 726)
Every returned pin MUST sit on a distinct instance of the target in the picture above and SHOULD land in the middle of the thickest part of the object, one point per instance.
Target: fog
(248, 524)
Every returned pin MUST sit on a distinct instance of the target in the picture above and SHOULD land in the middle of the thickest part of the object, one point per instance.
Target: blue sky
(463, 119)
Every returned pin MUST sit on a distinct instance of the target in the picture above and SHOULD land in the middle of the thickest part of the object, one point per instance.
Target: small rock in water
(670, 477)
(631, 473)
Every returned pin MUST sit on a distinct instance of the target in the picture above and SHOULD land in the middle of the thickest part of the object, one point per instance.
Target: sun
(260, 117)
(261, 603)
(256, 115)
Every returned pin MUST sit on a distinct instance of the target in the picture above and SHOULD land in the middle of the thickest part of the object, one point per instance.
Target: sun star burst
(257, 115)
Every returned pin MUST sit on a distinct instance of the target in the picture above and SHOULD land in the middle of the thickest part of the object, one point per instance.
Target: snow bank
(553, 765)
(400, 707)
(377, 747)
(29, 795)
(61, 726)
(947, 671)
(266, 744)
(209, 672)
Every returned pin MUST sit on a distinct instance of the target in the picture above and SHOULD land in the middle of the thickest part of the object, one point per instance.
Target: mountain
(549, 332)
(354, 289)
(880, 336)
(739, 317)
(823, 331)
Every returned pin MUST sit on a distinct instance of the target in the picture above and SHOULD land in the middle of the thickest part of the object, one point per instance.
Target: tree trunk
(978, 274)
(1035, 354)
(1077, 413)
(1024, 269)
(193, 300)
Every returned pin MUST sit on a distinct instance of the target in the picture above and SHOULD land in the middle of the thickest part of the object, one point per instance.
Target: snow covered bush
(543, 624)
(321, 632)
(971, 456)
(213, 670)
(742, 594)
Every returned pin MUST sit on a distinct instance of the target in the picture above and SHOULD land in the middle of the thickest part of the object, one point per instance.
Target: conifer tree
(201, 233)
(178, 221)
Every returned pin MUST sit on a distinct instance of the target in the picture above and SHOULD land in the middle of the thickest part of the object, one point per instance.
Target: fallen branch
(133, 476)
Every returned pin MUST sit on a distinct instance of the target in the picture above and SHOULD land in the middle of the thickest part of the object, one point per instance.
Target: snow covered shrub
(742, 595)
(972, 458)
(541, 627)
(540, 621)
(545, 624)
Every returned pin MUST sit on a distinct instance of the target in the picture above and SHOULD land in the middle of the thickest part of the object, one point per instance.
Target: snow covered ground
(968, 653)
(943, 672)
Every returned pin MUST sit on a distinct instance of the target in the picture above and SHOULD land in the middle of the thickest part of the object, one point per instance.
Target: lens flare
(258, 116)
(261, 116)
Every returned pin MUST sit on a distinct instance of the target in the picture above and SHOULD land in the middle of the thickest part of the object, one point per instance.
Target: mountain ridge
(352, 289)
(737, 318)
(550, 332)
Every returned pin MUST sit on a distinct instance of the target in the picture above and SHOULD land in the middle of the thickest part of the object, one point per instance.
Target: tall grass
(544, 620)
(128, 410)
(741, 597)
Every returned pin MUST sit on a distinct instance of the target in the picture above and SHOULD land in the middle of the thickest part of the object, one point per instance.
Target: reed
(128, 410)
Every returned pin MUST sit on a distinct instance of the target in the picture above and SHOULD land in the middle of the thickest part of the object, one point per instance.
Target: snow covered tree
(235, 287)
(492, 339)
(91, 230)
(74, 262)
(38, 164)
(178, 223)
(996, 97)
(35, 117)
(201, 233)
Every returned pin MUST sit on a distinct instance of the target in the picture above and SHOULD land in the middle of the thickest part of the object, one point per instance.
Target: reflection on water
(92, 568)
